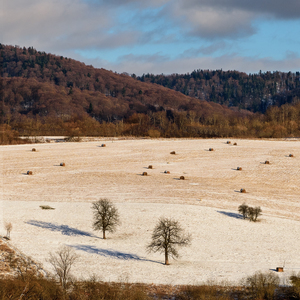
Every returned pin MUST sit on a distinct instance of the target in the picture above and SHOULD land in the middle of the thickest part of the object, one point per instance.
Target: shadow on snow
(230, 214)
(111, 253)
(64, 229)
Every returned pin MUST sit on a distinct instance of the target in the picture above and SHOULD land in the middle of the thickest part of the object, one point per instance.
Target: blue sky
(160, 36)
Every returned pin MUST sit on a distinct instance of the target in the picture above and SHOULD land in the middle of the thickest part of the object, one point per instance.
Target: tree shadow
(111, 253)
(64, 229)
(230, 214)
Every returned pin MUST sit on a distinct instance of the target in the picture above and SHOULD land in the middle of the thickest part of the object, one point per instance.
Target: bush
(262, 285)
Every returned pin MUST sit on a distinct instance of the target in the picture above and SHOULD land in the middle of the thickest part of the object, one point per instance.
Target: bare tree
(106, 216)
(254, 213)
(62, 262)
(8, 227)
(166, 237)
(243, 209)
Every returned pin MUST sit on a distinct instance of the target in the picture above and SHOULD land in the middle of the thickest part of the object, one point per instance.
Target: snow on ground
(224, 246)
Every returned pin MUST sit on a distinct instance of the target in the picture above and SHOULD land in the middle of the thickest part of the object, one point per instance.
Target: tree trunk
(166, 257)
(104, 235)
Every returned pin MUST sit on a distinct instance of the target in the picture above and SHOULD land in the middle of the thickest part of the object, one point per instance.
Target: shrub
(262, 285)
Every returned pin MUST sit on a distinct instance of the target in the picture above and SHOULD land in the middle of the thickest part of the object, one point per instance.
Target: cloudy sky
(160, 36)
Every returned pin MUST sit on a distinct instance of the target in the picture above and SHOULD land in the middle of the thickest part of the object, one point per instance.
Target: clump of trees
(252, 213)
(167, 236)
(106, 216)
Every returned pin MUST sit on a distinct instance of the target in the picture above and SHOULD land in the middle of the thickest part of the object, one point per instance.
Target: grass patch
(46, 207)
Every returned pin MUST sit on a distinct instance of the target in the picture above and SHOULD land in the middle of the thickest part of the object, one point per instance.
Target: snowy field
(224, 246)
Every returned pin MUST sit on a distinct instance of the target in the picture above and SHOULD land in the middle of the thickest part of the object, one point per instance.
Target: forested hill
(254, 92)
(41, 84)
(46, 94)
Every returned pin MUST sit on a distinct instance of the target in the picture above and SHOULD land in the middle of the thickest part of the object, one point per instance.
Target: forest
(46, 94)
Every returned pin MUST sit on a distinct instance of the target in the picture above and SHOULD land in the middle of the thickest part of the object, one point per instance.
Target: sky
(160, 36)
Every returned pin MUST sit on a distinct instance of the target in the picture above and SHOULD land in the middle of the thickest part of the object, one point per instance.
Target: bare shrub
(145, 174)
(62, 262)
(33, 149)
(181, 178)
(267, 162)
(234, 144)
(166, 237)
(173, 152)
(262, 285)
(254, 213)
(106, 216)
(150, 167)
(8, 228)
(243, 209)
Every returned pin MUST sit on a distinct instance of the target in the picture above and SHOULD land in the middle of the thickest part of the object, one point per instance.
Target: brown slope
(36, 83)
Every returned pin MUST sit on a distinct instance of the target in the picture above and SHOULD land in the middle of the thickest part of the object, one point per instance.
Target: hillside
(46, 94)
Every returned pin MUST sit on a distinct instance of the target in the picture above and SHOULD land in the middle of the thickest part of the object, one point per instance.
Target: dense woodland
(45, 94)
(254, 92)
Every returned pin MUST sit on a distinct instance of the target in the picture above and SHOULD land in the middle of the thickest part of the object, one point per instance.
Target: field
(224, 246)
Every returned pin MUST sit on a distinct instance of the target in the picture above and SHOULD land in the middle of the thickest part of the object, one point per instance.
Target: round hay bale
(243, 191)
(279, 269)
(167, 172)
(234, 144)
(291, 155)
(33, 150)
(239, 168)
(267, 162)
(29, 172)
(62, 164)
(173, 152)
(145, 174)
(150, 167)
(211, 149)
(103, 145)
(181, 178)
(228, 142)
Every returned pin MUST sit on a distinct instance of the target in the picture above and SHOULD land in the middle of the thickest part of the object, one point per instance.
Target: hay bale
(145, 174)
(291, 155)
(234, 144)
(267, 162)
(228, 142)
(279, 269)
(173, 152)
(29, 172)
(103, 145)
(62, 164)
(181, 178)
(33, 150)
(239, 168)
(167, 172)
(211, 149)
(243, 191)
(150, 167)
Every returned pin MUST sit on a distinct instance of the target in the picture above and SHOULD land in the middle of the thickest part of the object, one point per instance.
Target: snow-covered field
(224, 246)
